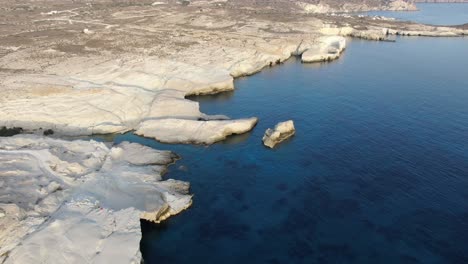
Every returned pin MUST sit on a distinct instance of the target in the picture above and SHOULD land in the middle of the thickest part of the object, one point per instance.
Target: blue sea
(431, 13)
(376, 173)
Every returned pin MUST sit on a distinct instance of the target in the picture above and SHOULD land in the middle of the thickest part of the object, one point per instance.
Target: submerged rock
(81, 201)
(281, 132)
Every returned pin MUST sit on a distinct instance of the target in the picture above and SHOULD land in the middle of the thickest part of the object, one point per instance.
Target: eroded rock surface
(96, 67)
(350, 6)
(81, 201)
(280, 133)
(195, 132)
(138, 62)
(326, 49)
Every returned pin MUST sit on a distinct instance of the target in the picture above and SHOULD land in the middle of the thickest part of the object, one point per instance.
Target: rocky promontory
(81, 201)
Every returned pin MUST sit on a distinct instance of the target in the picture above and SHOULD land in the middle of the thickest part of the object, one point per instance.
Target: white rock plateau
(326, 49)
(280, 133)
(196, 132)
(80, 201)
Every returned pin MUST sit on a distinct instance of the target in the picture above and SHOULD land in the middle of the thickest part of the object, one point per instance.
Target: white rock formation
(195, 132)
(79, 201)
(394, 5)
(325, 49)
(140, 64)
(315, 8)
(281, 132)
(428, 31)
(401, 5)
(377, 34)
(380, 33)
(111, 97)
(340, 31)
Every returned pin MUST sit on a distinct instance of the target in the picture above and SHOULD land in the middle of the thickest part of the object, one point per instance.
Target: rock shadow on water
(236, 139)
(150, 232)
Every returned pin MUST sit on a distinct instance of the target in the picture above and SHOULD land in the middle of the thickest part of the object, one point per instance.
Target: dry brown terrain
(122, 26)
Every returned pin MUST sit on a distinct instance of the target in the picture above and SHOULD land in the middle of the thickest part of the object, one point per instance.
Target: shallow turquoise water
(430, 13)
(377, 172)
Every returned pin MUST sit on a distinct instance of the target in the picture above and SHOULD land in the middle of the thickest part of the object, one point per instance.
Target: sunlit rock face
(111, 66)
(324, 6)
(325, 49)
(108, 97)
(280, 133)
(196, 132)
(81, 201)
(75, 68)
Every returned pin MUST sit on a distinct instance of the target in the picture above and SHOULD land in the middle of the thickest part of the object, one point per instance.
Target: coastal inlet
(375, 173)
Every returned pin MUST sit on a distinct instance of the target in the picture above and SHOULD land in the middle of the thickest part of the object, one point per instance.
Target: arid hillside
(309, 6)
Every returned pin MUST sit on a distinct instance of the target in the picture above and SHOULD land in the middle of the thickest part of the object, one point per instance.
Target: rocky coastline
(131, 70)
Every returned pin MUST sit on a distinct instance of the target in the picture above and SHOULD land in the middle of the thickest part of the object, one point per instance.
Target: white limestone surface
(113, 97)
(280, 133)
(193, 131)
(325, 49)
(141, 61)
(81, 201)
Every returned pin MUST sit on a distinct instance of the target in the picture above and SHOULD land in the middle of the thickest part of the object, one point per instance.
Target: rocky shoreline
(81, 201)
(131, 70)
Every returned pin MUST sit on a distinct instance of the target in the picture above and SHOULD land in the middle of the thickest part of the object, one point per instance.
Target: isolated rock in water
(326, 49)
(80, 201)
(281, 132)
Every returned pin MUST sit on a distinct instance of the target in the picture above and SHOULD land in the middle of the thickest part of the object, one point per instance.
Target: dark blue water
(377, 172)
(430, 13)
